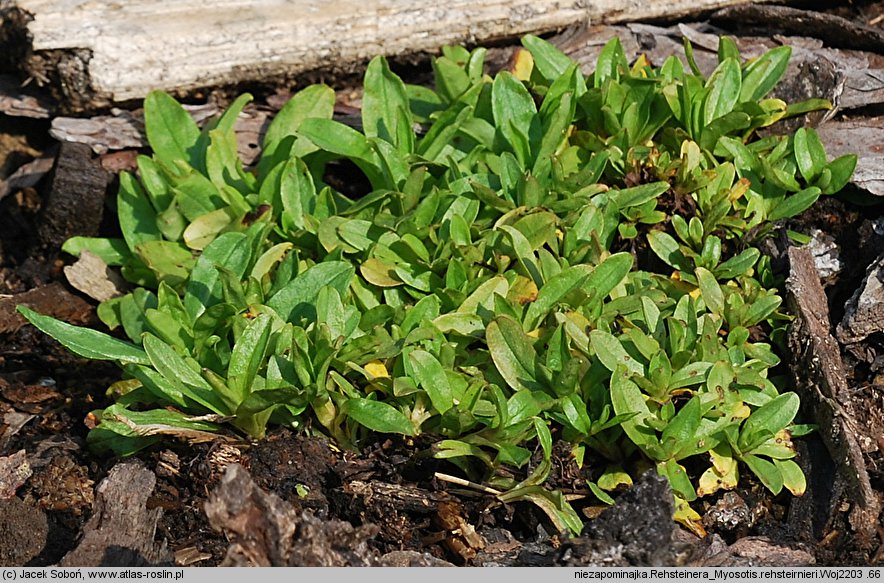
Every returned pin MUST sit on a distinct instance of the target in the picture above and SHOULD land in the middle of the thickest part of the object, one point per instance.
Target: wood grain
(97, 53)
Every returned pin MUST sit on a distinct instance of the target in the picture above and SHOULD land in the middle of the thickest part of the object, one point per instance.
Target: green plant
(583, 268)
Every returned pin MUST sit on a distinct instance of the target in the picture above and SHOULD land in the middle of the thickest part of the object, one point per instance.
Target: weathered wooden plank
(98, 53)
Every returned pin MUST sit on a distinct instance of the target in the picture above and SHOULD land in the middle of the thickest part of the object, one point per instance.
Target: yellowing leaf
(523, 291)
(793, 477)
(688, 517)
(377, 369)
(721, 476)
(613, 478)
(379, 273)
(523, 65)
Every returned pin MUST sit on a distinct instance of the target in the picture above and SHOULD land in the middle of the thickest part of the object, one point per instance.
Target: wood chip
(53, 300)
(122, 529)
(863, 138)
(14, 472)
(91, 275)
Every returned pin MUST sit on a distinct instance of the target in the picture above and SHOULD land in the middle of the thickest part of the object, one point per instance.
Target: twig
(469, 484)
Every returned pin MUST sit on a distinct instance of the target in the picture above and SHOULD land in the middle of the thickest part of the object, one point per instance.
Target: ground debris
(638, 531)
(265, 531)
(23, 532)
(122, 528)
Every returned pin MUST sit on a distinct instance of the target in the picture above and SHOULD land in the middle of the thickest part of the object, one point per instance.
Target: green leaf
(483, 297)
(430, 376)
(171, 132)
(297, 299)
(441, 134)
(691, 374)
(638, 195)
(809, 153)
(171, 262)
(204, 229)
(315, 101)
(175, 369)
(711, 291)
(378, 416)
(203, 290)
(667, 249)
(611, 61)
(125, 432)
(84, 341)
(794, 204)
(513, 109)
(769, 474)
(248, 355)
(738, 265)
(840, 170)
(549, 61)
(608, 275)
(627, 399)
(682, 429)
(553, 291)
(111, 251)
(724, 90)
(513, 353)
(762, 74)
(768, 420)
(600, 494)
(678, 479)
(793, 477)
(760, 309)
(610, 351)
(342, 140)
(385, 107)
(137, 218)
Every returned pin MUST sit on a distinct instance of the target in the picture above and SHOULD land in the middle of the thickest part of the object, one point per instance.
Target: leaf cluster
(541, 254)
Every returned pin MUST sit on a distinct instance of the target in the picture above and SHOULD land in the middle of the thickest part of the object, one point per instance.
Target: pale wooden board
(134, 46)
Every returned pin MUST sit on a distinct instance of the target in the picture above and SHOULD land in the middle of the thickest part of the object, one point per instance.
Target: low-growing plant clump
(542, 255)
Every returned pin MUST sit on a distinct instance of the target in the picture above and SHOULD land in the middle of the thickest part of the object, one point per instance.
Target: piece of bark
(75, 201)
(26, 176)
(14, 472)
(121, 531)
(402, 497)
(756, 551)
(93, 54)
(266, 531)
(411, 559)
(91, 275)
(863, 138)
(818, 372)
(125, 130)
(52, 300)
(864, 313)
(834, 30)
(636, 532)
(20, 102)
(102, 133)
